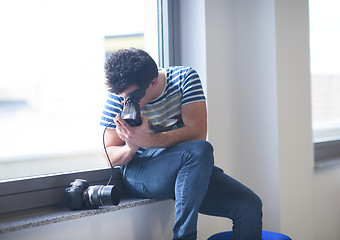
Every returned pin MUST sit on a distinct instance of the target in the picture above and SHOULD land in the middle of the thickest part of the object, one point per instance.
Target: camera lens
(100, 195)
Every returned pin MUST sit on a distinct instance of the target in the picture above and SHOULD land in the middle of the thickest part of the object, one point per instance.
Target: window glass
(52, 87)
(325, 68)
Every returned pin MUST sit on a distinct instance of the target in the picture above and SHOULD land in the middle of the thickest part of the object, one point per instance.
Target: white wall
(294, 115)
(146, 222)
(258, 87)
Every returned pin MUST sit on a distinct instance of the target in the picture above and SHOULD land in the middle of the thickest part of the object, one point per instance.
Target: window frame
(28, 194)
(326, 153)
(169, 33)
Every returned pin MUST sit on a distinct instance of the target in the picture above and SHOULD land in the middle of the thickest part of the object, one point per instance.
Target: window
(82, 34)
(52, 87)
(325, 74)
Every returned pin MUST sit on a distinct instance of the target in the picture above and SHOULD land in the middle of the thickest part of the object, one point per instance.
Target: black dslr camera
(82, 196)
(131, 109)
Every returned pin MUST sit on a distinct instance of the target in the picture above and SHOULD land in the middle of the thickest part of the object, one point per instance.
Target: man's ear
(153, 82)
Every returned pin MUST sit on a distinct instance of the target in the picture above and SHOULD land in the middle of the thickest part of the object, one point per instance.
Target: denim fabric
(186, 173)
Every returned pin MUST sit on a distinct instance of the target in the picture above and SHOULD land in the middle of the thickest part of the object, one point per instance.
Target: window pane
(325, 68)
(52, 87)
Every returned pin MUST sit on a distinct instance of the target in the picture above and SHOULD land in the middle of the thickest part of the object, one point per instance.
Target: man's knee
(203, 146)
(203, 150)
(198, 154)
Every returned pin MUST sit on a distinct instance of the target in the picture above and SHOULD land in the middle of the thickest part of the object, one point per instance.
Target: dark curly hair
(127, 67)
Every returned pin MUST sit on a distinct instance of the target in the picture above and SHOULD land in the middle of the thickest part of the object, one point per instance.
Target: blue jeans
(186, 173)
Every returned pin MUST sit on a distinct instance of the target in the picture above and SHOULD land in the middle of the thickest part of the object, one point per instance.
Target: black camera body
(131, 109)
(80, 195)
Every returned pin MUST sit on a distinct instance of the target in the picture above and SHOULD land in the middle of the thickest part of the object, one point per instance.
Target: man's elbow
(201, 136)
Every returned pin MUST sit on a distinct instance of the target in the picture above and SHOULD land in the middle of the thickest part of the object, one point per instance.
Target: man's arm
(119, 152)
(194, 116)
(122, 143)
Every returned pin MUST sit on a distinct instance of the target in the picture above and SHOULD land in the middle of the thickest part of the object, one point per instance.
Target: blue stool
(266, 235)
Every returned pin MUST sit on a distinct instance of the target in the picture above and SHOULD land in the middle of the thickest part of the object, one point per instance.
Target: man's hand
(194, 116)
(137, 136)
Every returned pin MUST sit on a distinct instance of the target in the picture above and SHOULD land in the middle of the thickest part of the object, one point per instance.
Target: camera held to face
(131, 109)
(82, 196)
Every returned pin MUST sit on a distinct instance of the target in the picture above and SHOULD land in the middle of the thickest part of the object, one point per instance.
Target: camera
(131, 108)
(82, 196)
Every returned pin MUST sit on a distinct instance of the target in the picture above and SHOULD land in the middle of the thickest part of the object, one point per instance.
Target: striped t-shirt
(182, 86)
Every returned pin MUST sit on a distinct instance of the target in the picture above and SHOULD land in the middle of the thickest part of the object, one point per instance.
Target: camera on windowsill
(82, 196)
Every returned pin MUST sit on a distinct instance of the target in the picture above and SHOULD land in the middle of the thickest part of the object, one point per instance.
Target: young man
(167, 156)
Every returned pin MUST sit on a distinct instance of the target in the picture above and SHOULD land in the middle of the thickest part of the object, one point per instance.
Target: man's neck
(159, 88)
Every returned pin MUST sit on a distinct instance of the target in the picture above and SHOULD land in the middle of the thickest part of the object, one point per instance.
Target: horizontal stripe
(169, 113)
(170, 100)
(197, 93)
(192, 100)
